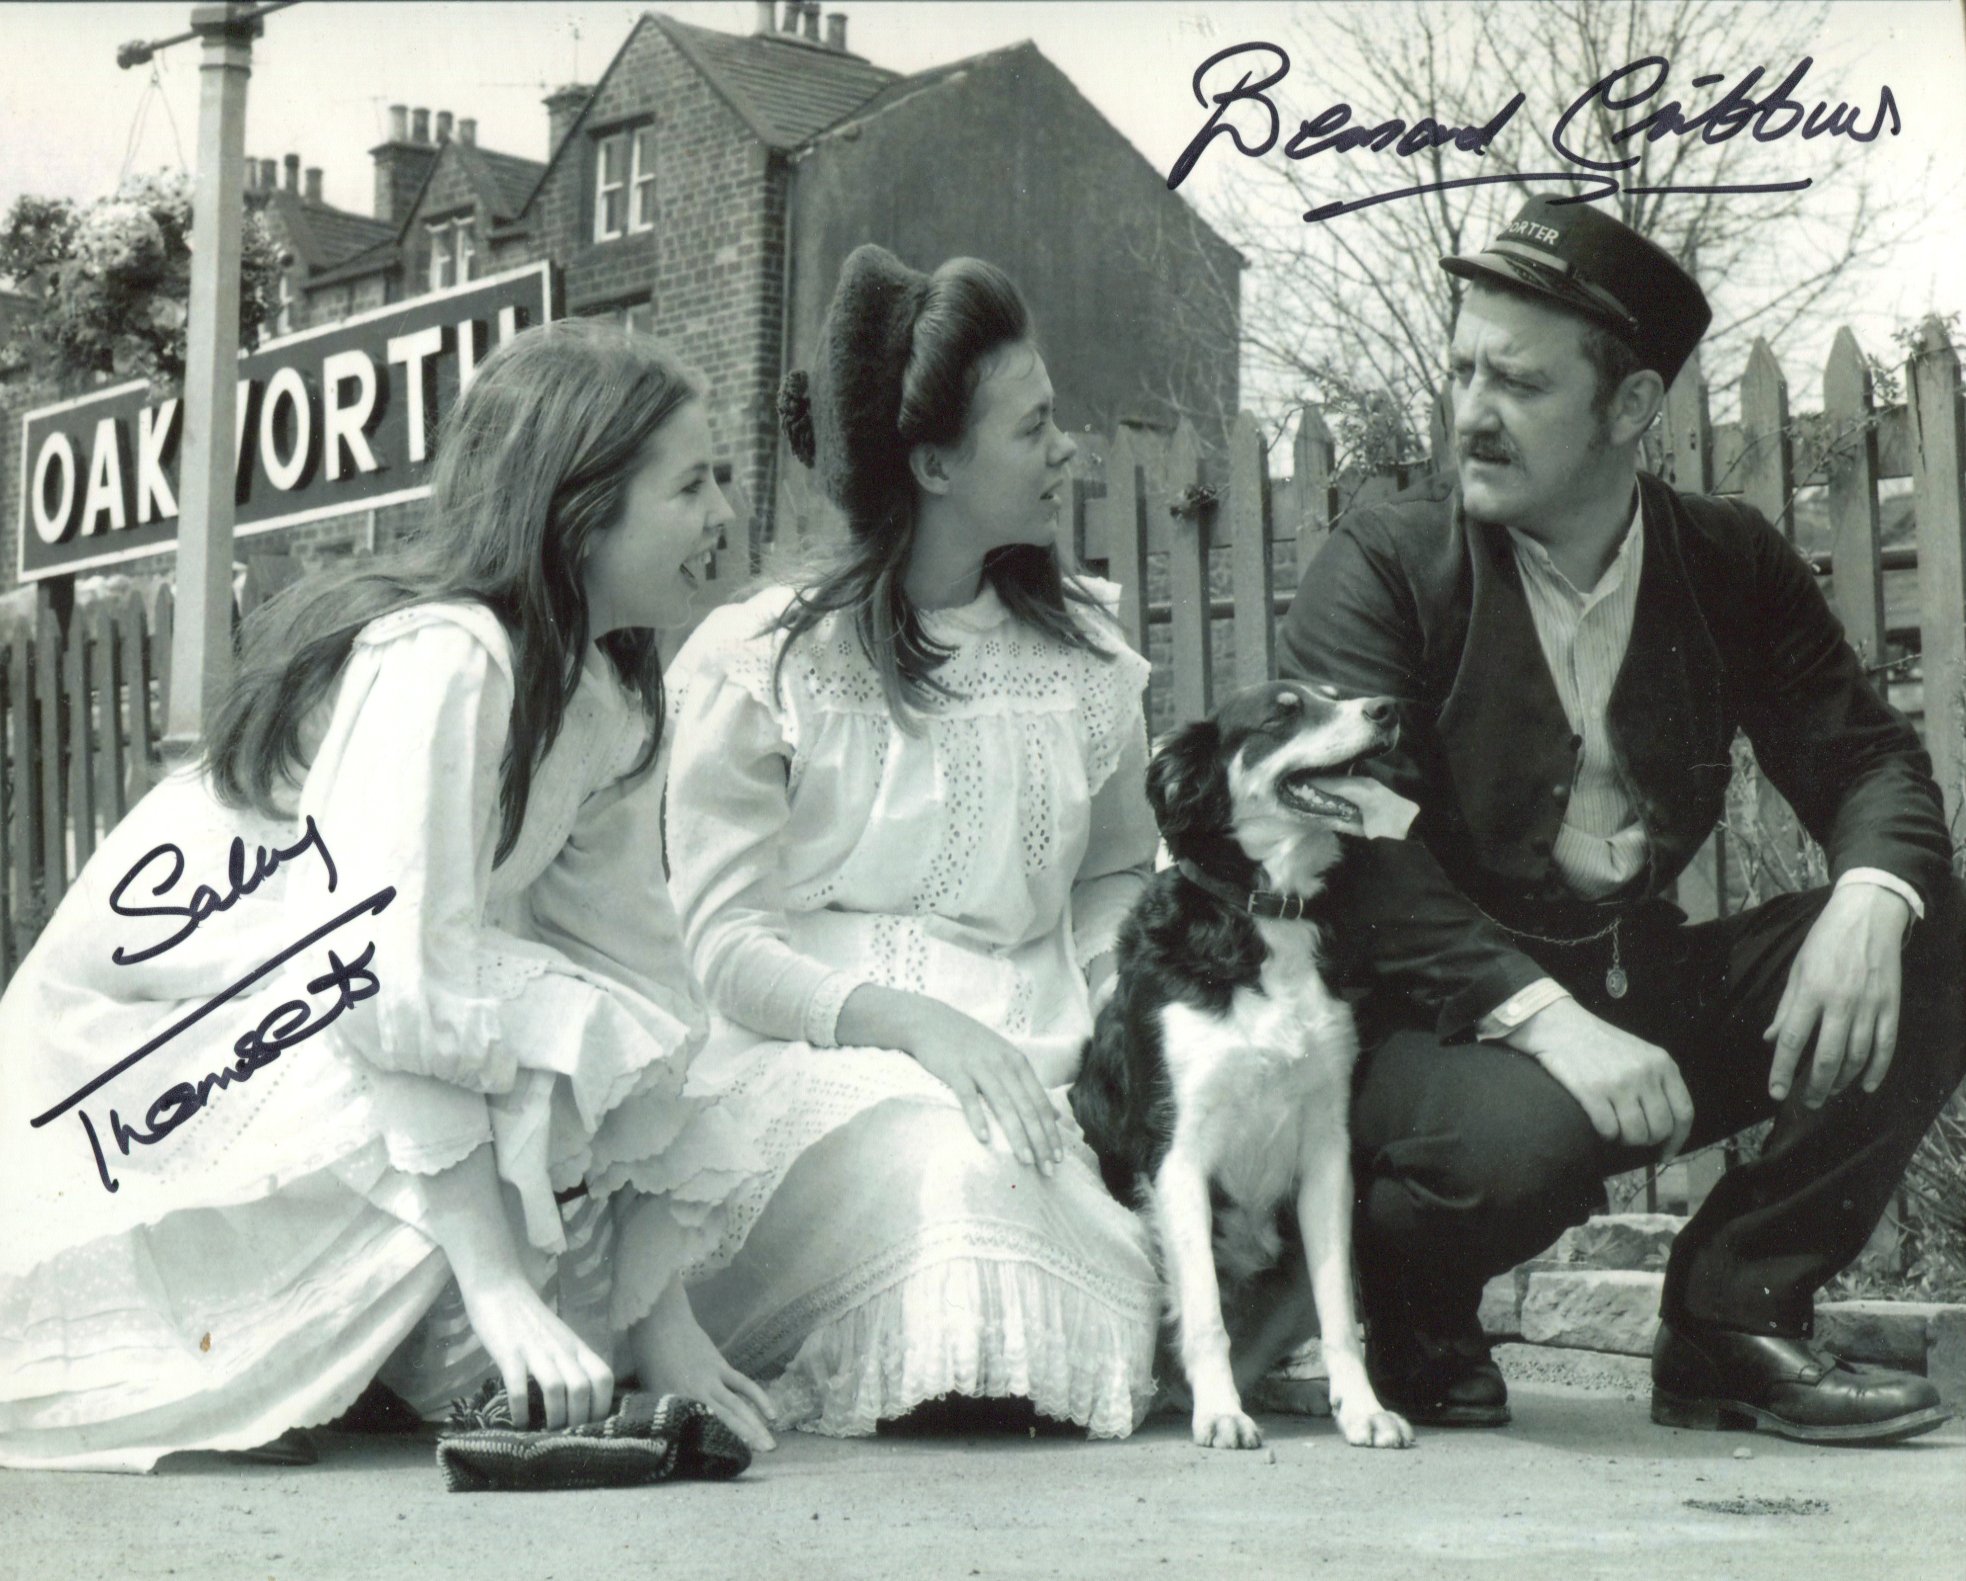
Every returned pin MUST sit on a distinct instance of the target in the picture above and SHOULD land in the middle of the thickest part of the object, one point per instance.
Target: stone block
(1501, 1308)
(1619, 1240)
(1945, 1356)
(1891, 1333)
(1593, 1309)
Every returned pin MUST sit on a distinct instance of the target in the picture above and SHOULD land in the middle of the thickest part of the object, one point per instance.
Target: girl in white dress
(358, 1049)
(906, 816)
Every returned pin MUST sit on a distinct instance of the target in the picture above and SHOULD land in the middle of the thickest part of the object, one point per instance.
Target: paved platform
(1582, 1486)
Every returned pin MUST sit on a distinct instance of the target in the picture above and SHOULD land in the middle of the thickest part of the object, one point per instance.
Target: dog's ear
(1181, 776)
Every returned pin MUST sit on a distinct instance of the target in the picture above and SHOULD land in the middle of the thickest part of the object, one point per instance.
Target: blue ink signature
(206, 901)
(279, 1030)
(1768, 119)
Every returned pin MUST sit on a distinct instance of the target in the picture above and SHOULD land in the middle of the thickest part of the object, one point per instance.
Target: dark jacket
(1414, 600)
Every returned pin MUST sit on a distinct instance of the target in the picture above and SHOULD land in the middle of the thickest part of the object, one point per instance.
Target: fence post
(1251, 581)
(1313, 459)
(47, 698)
(1188, 591)
(1689, 431)
(1767, 467)
(17, 744)
(110, 768)
(133, 672)
(1126, 537)
(77, 683)
(1768, 485)
(1938, 457)
(1688, 464)
(1850, 435)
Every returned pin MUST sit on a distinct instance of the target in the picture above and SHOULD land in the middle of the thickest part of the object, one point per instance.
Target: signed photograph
(935, 788)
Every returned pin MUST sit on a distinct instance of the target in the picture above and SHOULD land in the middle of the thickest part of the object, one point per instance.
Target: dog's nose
(1380, 710)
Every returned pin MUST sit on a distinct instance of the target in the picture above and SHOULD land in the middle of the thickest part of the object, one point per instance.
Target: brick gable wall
(712, 267)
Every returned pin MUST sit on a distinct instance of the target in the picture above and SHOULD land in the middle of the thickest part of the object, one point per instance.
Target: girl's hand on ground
(674, 1356)
(526, 1339)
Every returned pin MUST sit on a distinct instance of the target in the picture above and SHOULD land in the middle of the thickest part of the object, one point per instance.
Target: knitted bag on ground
(649, 1438)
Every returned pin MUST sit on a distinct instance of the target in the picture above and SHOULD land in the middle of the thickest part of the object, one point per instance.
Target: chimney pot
(313, 187)
(793, 10)
(399, 123)
(563, 107)
(443, 125)
(269, 175)
(811, 10)
(292, 163)
(467, 130)
(252, 175)
(762, 17)
(419, 126)
(836, 31)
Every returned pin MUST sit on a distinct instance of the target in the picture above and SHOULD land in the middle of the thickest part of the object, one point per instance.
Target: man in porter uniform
(1573, 645)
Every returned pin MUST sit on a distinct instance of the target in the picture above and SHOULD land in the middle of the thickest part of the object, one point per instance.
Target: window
(453, 251)
(644, 175)
(624, 183)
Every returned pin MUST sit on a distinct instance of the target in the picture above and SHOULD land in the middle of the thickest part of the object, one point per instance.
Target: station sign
(334, 419)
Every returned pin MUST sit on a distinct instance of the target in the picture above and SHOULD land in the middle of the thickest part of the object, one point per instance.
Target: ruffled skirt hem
(979, 1327)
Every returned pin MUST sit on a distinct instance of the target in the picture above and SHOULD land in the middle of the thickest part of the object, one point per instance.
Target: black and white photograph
(930, 788)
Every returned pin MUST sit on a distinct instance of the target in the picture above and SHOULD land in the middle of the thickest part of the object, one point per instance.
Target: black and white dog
(1217, 1083)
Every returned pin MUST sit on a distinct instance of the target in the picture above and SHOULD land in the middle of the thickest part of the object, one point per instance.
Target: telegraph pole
(201, 636)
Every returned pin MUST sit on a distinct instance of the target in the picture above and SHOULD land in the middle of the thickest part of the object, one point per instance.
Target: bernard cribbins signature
(1244, 74)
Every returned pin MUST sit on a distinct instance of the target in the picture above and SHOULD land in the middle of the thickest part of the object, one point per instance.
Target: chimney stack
(313, 187)
(467, 131)
(563, 107)
(762, 19)
(402, 163)
(811, 12)
(794, 9)
(443, 126)
(292, 163)
(836, 31)
(269, 175)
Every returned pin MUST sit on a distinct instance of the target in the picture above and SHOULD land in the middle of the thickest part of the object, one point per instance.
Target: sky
(325, 73)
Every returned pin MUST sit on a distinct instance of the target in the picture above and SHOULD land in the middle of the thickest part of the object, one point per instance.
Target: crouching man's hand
(1631, 1090)
(1844, 986)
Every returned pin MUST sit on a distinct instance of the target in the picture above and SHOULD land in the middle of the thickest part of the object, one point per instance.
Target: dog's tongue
(1385, 814)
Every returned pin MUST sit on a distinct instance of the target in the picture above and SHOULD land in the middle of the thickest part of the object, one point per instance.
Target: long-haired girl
(906, 814)
(356, 1053)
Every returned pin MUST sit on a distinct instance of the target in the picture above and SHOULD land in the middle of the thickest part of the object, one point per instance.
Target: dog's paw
(1226, 1430)
(1375, 1428)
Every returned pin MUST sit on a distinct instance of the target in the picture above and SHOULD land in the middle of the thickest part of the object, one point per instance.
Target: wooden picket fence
(81, 723)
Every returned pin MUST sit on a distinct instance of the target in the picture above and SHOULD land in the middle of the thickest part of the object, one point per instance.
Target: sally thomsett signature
(293, 1021)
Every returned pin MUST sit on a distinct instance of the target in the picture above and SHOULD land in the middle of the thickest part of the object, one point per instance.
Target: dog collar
(1268, 903)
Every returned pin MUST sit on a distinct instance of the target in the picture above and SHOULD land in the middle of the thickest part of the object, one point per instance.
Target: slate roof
(322, 236)
(785, 89)
(899, 88)
(504, 181)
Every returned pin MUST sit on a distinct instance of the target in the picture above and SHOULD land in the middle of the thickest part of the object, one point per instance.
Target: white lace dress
(207, 1275)
(885, 1257)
